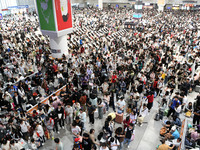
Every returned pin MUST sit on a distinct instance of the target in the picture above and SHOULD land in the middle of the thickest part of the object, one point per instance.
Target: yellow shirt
(163, 75)
(163, 147)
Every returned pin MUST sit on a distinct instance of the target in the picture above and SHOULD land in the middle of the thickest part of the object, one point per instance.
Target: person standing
(91, 110)
(150, 101)
(196, 116)
(59, 144)
(121, 105)
(69, 113)
(100, 108)
(129, 132)
(49, 122)
(60, 115)
(86, 142)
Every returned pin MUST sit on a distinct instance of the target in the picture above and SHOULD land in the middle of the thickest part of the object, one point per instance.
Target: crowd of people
(107, 66)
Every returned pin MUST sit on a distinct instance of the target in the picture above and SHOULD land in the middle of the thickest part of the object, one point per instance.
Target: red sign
(4, 9)
(63, 14)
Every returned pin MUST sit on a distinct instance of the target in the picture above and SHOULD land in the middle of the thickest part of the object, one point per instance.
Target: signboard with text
(55, 17)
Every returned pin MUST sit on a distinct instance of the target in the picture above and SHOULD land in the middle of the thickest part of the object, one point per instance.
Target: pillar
(161, 7)
(100, 4)
(58, 46)
(161, 4)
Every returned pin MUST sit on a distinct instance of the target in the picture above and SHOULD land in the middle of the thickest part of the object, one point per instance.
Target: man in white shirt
(82, 117)
(76, 130)
(105, 87)
(40, 131)
(143, 113)
(69, 114)
(24, 129)
(121, 104)
(114, 143)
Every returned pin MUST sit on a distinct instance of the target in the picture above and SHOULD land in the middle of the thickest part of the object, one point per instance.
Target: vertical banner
(46, 15)
(63, 14)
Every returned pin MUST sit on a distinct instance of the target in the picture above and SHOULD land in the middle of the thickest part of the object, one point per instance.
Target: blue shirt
(174, 102)
(176, 134)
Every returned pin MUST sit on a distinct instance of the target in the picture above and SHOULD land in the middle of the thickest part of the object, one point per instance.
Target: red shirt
(150, 98)
(155, 84)
(126, 123)
(114, 77)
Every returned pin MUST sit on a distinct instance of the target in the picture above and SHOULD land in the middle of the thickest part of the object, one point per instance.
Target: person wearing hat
(164, 146)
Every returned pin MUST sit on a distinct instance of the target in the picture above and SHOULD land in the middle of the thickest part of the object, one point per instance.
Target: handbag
(166, 111)
(132, 137)
(188, 114)
(47, 134)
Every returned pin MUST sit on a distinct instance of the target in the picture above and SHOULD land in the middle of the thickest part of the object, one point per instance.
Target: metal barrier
(45, 101)
(182, 134)
(30, 76)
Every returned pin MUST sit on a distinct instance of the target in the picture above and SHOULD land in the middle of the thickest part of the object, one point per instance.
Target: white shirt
(104, 149)
(83, 117)
(115, 142)
(143, 112)
(121, 103)
(76, 130)
(40, 130)
(24, 127)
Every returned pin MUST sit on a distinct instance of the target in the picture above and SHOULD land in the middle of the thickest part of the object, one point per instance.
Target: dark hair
(56, 140)
(131, 124)
(73, 124)
(85, 135)
(112, 139)
(91, 130)
(77, 118)
(32, 140)
(162, 141)
(127, 118)
(12, 141)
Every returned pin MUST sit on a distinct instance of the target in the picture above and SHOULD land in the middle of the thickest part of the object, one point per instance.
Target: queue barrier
(30, 76)
(182, 134)
(45, 101)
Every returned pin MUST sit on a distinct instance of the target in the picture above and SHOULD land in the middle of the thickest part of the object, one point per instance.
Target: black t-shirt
(91, 109)
(87, 144)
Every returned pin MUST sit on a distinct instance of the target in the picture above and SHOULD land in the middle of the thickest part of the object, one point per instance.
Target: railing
(182, 134)
(45, 101)
(30, 76)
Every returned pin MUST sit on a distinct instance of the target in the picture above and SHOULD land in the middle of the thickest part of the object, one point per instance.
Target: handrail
(45, 101)
(182, 134)
(31, 75)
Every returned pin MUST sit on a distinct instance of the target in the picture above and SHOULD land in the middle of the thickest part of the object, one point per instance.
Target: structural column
(161, 5)
(55, 18)
(59, 46)
(100, 4)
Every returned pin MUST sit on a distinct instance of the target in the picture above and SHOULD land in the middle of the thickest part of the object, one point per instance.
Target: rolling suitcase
(197, 88)
(157, 117)
(119, 118)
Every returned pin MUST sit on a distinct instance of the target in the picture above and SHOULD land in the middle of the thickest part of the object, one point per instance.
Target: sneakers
(58, 132)
(128, 146)
(141, 125)
(63, 127)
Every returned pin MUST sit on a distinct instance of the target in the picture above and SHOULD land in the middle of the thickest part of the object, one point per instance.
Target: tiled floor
(147, 137)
